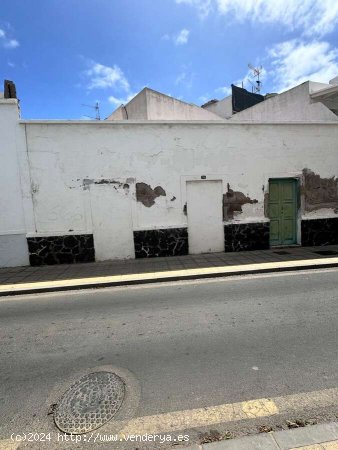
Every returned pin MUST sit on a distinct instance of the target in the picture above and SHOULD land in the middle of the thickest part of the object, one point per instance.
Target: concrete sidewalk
(314, 437)
(75, 276)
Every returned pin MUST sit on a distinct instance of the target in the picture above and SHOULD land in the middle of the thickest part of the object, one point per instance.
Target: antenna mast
(97, 110)
(256, 71)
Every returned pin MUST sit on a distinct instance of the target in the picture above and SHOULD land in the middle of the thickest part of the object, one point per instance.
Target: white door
(112, 222)
(205, 217)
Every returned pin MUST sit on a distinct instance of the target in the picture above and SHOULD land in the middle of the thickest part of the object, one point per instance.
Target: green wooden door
(283, 211)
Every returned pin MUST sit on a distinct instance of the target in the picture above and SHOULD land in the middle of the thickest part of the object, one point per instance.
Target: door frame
(200, 181)
(297, 180)
(207, 177)
(110, 187)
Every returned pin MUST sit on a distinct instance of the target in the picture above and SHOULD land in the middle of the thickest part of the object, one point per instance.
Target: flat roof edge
(326, 91)
(8, 101)
(170, 122)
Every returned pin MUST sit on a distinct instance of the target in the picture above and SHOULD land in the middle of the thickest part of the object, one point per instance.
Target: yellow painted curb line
(8, 444)
(116, 280)
(212, 415)
(184, 420)
(230, 412)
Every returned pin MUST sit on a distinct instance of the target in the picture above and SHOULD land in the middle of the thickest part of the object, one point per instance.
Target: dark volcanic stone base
(164, 242)
(61, 249)
(320, 232)
(246, 236)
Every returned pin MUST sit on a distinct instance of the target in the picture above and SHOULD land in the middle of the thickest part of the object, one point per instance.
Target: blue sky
(65, 53)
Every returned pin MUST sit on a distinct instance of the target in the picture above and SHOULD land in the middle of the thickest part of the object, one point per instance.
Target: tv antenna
(97, 111)
(256, 72)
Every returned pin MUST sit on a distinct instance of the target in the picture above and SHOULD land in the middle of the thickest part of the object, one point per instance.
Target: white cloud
(178, 38)
(182, 37)
(203, 98)
(311, 16)
(120, 101)
(181, 77)
(185, 78)
(296, 61)
(11, 64)
(11, 43)
(7, 42)
(103, 77)
(106, 77)
(86, 118)
(203, 7)
(225, 90)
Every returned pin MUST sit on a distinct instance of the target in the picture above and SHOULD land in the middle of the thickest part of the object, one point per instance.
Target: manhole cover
(326, 252)
(282, 252)
(89, 403)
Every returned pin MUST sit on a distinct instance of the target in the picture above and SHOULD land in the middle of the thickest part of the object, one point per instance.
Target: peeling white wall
(48, 170)
(168, 155)
(12, 224)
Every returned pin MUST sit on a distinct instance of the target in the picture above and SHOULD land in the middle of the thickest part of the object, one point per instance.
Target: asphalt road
(179, 346)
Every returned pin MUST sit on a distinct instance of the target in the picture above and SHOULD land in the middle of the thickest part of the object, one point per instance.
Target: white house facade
(78, 191)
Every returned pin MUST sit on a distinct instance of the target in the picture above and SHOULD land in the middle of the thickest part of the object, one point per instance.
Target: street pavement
(59, 272)
(179, 346)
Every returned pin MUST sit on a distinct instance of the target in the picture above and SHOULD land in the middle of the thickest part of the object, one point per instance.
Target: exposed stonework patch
(317, 232)
(246, 236)
(146, 195)
(319, 192)
(162, 242)
(159, 191)
(233, 201)
(86, 183)
(116, 184)
(108, 181)
(61, 249)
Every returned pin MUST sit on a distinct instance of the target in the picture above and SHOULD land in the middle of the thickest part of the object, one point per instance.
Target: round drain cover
(89, 403)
